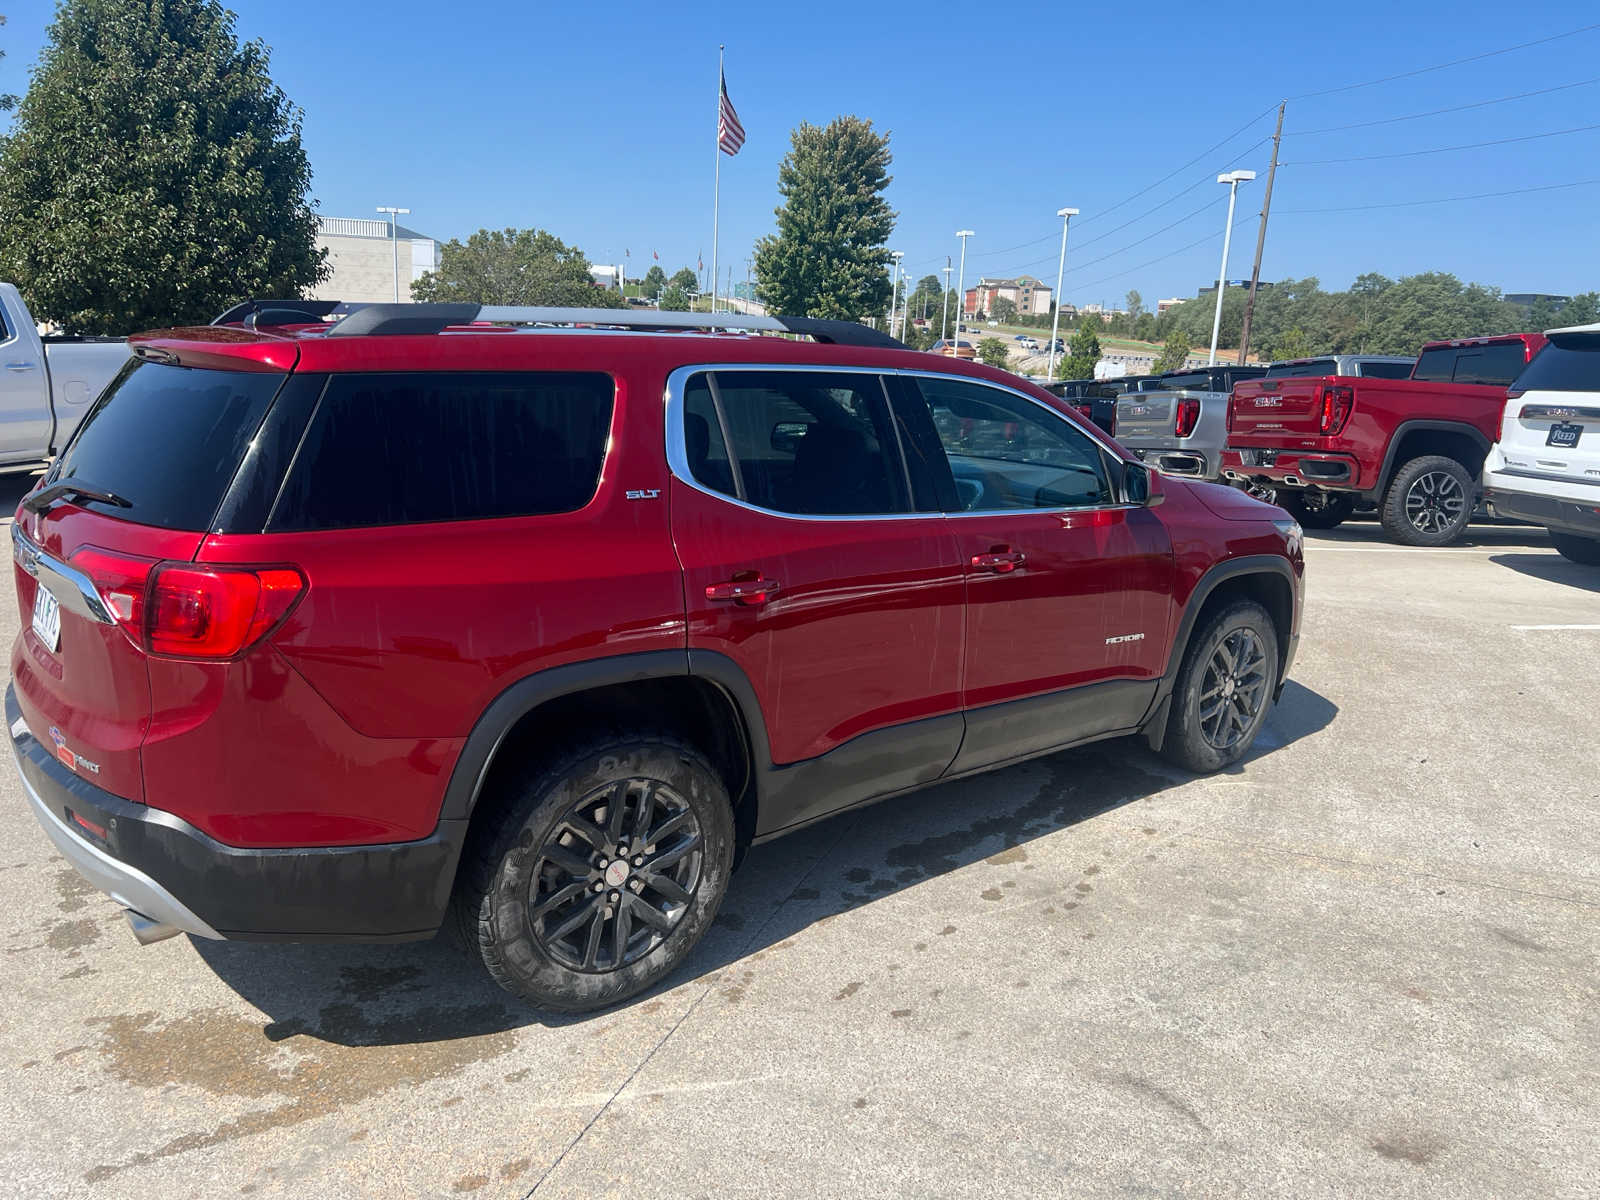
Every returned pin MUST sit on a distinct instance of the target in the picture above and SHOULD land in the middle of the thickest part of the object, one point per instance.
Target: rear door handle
(748, 592)
(999, 561)
(19, 366)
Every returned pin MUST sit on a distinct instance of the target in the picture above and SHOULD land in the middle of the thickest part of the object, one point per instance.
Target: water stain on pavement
(71, 888)
(73, 935)
(1417, 1149)
(230, 1056)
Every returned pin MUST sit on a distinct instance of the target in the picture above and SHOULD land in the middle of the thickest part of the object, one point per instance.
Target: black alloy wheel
(1233, 689)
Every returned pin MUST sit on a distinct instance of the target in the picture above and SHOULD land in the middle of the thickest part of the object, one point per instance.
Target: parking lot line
(1529, 628)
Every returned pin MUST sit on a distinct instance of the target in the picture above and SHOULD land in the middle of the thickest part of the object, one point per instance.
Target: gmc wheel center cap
(617, 873)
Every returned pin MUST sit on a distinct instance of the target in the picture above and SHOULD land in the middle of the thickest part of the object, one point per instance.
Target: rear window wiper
(42, 499)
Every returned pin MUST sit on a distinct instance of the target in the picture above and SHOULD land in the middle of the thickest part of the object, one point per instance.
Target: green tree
(1135, 303)
(674, 299)
(1005, 311)
(514, 266)
(1083, 351)
(994, 351)
(655, 279)
(1145, 328)
(1293, 344)
(829, 256)
(1582, 309)
(8, 101)
(1172, 354)
(155, 172)
(685, 280)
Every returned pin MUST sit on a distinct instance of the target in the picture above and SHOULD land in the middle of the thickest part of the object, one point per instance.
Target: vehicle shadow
(1482, 534)
(1552, 568)
(360, 995)
(12, 489)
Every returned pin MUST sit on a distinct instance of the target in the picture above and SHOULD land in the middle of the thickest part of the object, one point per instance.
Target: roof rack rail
(388, 320)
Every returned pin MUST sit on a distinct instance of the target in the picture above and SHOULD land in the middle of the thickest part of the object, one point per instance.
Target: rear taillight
(1188, 416)
(197, 611)
(189, 610)
(1337, 401)
(1231, 403)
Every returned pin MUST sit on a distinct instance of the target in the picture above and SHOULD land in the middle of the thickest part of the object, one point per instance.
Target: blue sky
(597, 122)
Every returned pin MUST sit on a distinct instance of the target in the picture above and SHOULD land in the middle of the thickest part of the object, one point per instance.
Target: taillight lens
(189, 610)
(1337, 401)
(1188, 416)
(1230, 414)
(195, 611)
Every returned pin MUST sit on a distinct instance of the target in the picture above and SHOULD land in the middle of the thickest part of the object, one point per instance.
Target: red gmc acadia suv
(353, 623)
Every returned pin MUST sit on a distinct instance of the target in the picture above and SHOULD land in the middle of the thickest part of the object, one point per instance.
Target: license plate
(1564, 434)
(47, 618)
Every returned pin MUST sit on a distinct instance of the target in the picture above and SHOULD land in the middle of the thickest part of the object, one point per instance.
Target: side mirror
(1141, 485)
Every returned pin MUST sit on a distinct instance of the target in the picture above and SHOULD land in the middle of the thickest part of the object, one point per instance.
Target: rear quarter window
(1494, 365)
(1301, 370)
(1386, 370)
(414, 448)
(1570, 363)
(168, 440)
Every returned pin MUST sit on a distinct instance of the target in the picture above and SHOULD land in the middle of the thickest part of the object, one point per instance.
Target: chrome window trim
(74, 589)
(678, 450)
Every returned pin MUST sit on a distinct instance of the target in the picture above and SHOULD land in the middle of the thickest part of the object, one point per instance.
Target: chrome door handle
(19, 366)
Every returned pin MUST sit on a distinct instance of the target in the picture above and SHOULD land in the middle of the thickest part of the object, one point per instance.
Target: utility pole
(1261, 241)
(944, 300)
(1066, 215)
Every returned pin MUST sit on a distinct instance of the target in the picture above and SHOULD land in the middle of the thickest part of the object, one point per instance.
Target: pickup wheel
(1223, 690)
(1318, 510)
(1579, 549)
(1429, 502)
(603, 870)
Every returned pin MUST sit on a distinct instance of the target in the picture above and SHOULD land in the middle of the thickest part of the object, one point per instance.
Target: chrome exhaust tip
(1292, 480)
(148, 931)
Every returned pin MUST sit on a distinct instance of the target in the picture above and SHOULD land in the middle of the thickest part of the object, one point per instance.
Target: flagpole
(716, 194)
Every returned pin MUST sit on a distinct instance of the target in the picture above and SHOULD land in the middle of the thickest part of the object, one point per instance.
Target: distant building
(1526, 300)
(1031, 297)
(1163, 306)
(1211, 288)
(362, 255)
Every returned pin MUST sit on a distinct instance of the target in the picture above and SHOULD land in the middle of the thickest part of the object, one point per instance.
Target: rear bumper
(1294, 468)
(1550, 511)
(165, 869)
(1177, 459)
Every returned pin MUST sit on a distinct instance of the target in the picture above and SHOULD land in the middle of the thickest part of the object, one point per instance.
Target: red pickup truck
(1414, 447)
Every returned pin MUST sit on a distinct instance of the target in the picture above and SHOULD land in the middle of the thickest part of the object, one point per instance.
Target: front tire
(1429, 502)
(1318, 510)
(602, 871)
(1223, 690)
(1579, 549)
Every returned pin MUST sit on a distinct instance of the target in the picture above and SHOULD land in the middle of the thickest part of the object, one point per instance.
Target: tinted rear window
(1386, 370)
(168, 440)
(1301, 370)
(402, 449)
(1570, 363)
(1495, 365)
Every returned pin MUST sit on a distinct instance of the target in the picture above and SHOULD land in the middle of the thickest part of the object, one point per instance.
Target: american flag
(730, 134)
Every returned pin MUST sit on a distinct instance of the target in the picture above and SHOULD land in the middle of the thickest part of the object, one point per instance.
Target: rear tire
(1318, 510)
(1429, 502)
(601, 871)
(1223, 690)
(1579, 549)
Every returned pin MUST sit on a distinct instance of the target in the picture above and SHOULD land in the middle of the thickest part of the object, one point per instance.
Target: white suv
(1546, 466)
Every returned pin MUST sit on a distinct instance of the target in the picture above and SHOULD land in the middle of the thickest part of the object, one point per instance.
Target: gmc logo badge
(1268, 402)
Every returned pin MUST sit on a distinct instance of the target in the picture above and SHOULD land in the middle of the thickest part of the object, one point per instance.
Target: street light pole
(394, 236)
(1233, 179)
(894, 287)
(944, 303)
(1066, 215)
(961, 282)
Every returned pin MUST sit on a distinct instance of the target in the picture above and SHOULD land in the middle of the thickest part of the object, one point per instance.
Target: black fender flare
(528, 693)
(1386, 472)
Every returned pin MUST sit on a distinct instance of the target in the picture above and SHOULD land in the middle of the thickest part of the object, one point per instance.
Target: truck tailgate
(1262, 412)
(1146, 417)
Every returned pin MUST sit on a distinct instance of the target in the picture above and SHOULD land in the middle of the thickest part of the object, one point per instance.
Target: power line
(1210, 237)
(1549, 187)
(1350, 87)
(1440, 111)
(1527, 137)
(1203, 154)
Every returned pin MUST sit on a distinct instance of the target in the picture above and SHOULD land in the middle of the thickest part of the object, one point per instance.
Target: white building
(363, 257)
(1163, 305)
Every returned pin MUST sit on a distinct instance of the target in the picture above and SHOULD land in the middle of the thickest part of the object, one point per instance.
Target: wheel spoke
(622, 929)
(591, 949)
(667, 858)
(557, 899)
(616, 804)
(668, 887)
(641, 818)
(564, 858)
(669, 826)
(651, 915)
(583, 913)
(587, 830)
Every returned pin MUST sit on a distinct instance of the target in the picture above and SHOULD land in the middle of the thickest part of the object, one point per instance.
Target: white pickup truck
(46, 384)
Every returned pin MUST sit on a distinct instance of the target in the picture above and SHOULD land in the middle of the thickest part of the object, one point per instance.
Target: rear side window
(1386, 370)
(1570, 363)
(168, 440)
(1494, 365)
(803, 442)
(403, 449)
